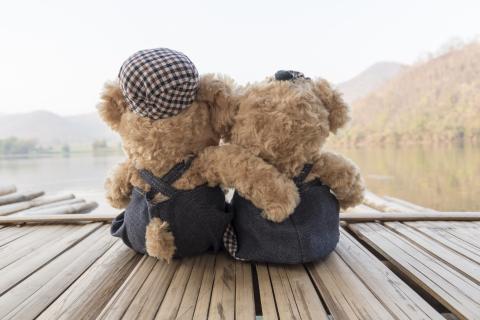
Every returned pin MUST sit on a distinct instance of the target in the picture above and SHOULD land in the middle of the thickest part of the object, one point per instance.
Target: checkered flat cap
(158, 83)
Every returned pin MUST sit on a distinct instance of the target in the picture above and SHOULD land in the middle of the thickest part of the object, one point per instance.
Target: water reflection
(446, 178)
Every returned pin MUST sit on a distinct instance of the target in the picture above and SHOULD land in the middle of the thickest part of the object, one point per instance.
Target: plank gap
(318, 292)
(256, 291)
(434, 303)
(367, 246)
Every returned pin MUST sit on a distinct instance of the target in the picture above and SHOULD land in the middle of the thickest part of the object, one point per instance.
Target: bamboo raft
(395, 260)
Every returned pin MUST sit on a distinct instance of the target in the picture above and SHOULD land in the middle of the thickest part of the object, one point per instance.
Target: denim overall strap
(303, 174)
(177, 171)
(164, 184)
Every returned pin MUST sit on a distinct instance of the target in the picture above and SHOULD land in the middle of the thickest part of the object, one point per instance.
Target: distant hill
(435, 101)
(50, 129)
(369, 80)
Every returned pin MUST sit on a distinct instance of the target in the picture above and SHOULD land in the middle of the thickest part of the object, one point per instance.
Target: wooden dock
(395, 260)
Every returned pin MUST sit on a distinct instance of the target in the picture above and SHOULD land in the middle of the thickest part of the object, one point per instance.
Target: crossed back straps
(164, 184)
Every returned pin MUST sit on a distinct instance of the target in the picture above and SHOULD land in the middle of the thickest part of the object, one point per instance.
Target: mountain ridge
(437, 101)
(50, 129)
(369, 80)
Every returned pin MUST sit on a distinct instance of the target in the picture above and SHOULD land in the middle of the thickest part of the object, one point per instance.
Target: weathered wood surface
(438, 270)
(35, 203)
(21, 206)
(67, 266)
(80, 272)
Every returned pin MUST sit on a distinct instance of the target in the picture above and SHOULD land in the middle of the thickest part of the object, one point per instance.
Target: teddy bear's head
(154, 106)
(286, 119)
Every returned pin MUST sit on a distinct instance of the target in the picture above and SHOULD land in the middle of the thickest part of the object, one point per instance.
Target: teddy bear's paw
(281, 207)
(355, 194)
(159, 241)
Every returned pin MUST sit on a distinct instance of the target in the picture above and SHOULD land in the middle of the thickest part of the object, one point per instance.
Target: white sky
(55, 55)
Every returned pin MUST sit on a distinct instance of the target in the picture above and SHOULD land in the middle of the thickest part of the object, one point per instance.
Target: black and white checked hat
(158, 83)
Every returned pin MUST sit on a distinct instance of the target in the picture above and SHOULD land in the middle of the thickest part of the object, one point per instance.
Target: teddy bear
(170, 121)
(285, 120)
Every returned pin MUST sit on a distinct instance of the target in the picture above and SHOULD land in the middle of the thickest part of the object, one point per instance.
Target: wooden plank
(244, 299)
(456, 292)
(204, 265)
(64, 210)
(7, 189)
(307, 300)
(467, 235)
(11, 233)
(118, 304)
(36, 240)
(21, 206)
(267, 300)
(447, 239)
(29, 298)
(395, 295)
(285, 300)
(87, 296)
(222, 305)
(173, 297)
(18, 197)
(463, 265)
(409, 216)
(344, 293)
(150, 296)
(66, 218)
(22, 268)
(205, 294)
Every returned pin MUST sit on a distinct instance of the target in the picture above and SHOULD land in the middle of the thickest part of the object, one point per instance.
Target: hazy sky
(56, 55)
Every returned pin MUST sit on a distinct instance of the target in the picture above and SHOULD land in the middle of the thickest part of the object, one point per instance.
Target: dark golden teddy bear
(159, 144)
(285, 120)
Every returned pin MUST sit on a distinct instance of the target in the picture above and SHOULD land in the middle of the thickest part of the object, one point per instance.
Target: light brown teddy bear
(170, 122)
(286, 120)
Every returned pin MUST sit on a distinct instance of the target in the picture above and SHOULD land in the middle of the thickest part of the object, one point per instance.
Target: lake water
(446, 179)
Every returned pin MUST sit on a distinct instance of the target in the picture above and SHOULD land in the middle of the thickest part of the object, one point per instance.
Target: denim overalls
(309, 234)
(197, 218)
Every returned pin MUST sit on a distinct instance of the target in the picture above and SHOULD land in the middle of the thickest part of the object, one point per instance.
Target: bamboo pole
(409, 216)
(7, 189)
(55, 204)
(68, 209)
(345, 216)
(20, 206)
(19, 197)
(62, 218)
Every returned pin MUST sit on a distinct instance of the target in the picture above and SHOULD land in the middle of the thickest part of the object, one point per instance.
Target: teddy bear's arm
(341, 175)
(118, 185)
(234, 167)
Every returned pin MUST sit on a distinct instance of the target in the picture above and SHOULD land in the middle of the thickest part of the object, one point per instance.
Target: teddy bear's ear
(112, 105)
(339, 111)
(218, 91)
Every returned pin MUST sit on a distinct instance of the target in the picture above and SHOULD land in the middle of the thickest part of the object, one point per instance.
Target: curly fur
(157, 145)
(231, 165)
(286, 123)
(160, 242)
